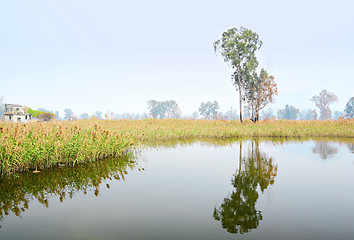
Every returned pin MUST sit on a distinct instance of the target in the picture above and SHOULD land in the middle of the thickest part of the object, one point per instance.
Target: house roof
(18, 114)
(13, 105)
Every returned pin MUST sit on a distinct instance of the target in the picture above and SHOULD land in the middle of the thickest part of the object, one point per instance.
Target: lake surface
(225, 189)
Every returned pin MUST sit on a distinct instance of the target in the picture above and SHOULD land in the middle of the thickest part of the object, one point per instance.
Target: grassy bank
(37, 146)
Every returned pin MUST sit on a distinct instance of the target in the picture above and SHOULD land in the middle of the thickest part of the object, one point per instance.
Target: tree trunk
(239, 92)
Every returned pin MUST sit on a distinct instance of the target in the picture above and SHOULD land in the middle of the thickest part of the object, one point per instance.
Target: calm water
(253, 189)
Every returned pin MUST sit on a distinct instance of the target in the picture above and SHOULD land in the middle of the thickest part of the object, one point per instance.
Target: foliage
(349, 108)
(260, 90)
(164, 109)
(34, 113)
(289, 112)
(238, 47)
(46, 116)
(322, 101)
(209, 110)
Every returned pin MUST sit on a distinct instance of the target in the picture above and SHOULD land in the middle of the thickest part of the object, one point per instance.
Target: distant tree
(109, 115)
(306, 114)
(209, 110)
(99, 114)
(195, 115)
(57, 115)
(2, 106)
(338, 114)
(246, 112)
(154, 108)
(238, 47)
(68, 114)
(349, 108)
(289, 112)
(44, 110)
(231, 115)
(164, 109)
(322, 101)
(267, 114)
(315, 116)
(137, 116)
(46, 116)
(145, 115)
(260, 90)
(84, 116)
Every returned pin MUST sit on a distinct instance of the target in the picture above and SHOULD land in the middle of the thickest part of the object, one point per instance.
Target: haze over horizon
(117, 55)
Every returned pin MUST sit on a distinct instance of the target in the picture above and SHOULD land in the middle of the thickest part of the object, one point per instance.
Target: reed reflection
(238, 213)
(16, 192)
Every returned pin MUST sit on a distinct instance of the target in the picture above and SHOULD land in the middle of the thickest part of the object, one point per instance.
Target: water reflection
(325, 149)
(238, 213)
(351, 147)
(17, 191)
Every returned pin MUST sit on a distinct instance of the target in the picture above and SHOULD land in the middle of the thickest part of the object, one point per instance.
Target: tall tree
(322, 101)
(209, 109)
(260, 90)
(349, 108)
(238, 47)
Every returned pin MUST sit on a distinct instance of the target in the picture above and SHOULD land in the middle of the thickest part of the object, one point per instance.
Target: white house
(16, 113)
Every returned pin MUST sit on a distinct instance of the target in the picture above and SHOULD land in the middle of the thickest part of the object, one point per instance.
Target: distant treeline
(210, 110)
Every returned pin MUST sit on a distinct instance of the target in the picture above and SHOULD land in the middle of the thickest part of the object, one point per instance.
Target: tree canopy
(289, 112)
(322, 101)
(209, 110)
(164, 109)
(260, 90)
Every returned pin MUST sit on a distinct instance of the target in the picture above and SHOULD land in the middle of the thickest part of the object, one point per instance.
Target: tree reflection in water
(238, 213)
(325, 149)
(17, 191)
(351, 147)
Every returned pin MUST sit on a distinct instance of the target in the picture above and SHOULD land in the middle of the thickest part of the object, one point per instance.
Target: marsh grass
(37, 146)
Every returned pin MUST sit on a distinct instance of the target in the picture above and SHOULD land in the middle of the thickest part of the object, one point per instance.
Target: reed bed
(37, 146)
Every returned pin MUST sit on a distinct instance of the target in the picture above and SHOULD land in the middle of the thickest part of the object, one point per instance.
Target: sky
(113, 55)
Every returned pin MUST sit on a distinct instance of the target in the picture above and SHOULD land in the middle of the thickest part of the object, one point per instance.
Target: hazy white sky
(116, 55)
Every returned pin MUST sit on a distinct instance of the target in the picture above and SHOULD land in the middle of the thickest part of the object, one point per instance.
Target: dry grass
(42, 145)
